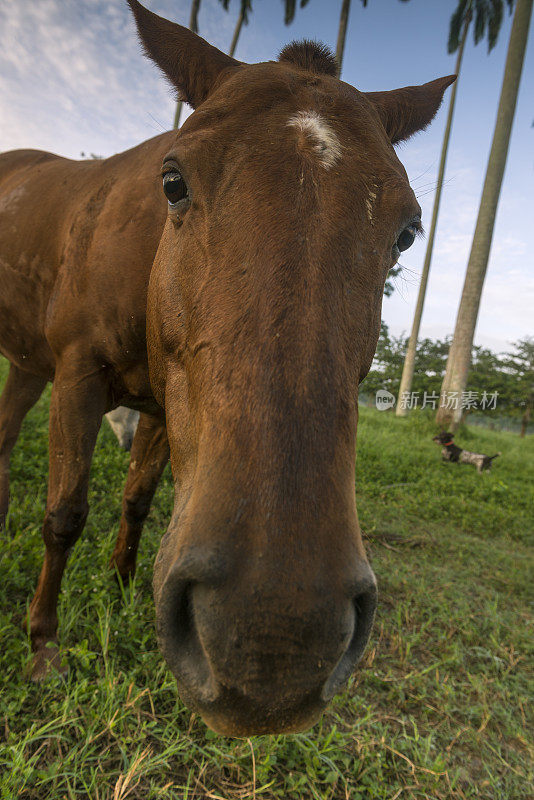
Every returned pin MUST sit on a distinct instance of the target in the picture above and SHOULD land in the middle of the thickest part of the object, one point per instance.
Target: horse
(224, 280)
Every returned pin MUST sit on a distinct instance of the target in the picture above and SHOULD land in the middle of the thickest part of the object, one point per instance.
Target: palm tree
(459, 22)
(459, 359)
(342, 33)
(486, 18)
(244, 11)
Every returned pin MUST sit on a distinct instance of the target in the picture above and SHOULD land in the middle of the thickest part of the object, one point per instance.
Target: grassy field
(439, 708)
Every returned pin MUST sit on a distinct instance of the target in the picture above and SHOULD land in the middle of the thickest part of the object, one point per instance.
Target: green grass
(438, 710)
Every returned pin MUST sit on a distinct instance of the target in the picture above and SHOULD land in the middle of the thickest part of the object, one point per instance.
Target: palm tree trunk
(237, 31)
(193, 26)
(409, 361)
(459, 359)
(342, 33)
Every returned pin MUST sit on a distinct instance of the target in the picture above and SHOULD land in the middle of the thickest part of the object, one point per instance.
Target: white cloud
(73, 77)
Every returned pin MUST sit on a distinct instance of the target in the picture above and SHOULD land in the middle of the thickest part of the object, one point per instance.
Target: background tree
(519, 364)
(386, 369)
(389, 286)
(488, 20)
(509, 375)
(458, 33)
(459, 359)
(342, 33)
(244, 11)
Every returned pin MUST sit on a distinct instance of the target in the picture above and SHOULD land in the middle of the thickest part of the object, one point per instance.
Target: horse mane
(311, 56)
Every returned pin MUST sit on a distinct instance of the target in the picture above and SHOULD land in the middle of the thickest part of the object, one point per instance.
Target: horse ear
(405, 111)
(191, 64)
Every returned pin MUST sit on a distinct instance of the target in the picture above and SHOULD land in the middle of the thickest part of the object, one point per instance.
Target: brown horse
(285, 207)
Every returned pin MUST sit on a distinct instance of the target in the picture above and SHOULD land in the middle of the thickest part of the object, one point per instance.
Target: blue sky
(72, 79)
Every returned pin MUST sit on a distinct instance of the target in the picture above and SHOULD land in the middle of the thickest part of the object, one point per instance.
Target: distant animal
(276, 212)
(451, 452)
(123, 422)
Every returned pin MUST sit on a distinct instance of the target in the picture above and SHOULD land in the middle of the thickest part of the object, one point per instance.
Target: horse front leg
(149, 455)
(77, 406)
(21, 392)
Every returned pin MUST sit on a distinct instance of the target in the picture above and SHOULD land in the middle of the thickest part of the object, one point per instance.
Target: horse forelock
(310, 55)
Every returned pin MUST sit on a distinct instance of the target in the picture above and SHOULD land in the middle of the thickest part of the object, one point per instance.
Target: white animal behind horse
(123, 422)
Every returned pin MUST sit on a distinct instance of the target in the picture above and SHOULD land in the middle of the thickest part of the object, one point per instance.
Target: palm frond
(290, 7)
(488, 17)
(494, 23)
(481, 17)
(246, 9)
(456, 25)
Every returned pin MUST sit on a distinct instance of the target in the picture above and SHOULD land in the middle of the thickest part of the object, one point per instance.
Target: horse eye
(407, 238)
(175, 187)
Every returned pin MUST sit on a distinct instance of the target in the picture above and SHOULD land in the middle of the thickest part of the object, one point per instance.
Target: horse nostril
(364, 612)
(179, 640)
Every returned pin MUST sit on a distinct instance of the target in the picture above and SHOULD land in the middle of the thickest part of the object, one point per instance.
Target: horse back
(77, 240)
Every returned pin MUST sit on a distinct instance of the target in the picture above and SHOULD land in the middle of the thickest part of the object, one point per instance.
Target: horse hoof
(45, 662)
(122, 573)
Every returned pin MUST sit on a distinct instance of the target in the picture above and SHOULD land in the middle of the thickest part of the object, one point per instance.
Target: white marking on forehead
(325, 142)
